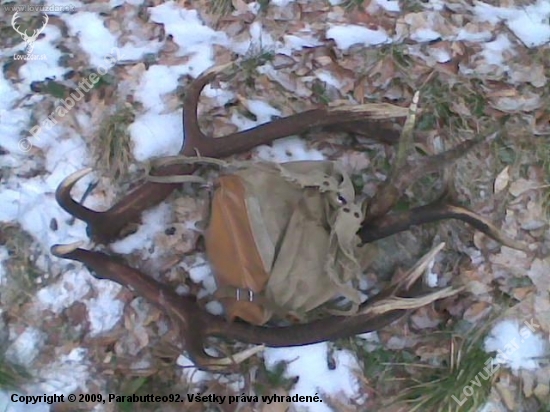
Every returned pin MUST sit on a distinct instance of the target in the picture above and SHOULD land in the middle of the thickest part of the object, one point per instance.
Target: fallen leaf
(526, 102)
(520, 186)
(477, 311)
(477, 288)
(522, 293)
(502, 180)
(538, 273)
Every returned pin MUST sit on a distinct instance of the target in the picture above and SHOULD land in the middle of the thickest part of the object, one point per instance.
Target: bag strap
(247, 295)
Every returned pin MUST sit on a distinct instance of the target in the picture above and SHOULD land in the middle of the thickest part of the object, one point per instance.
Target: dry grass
(18, 287)
(113, 148)
(22, 273)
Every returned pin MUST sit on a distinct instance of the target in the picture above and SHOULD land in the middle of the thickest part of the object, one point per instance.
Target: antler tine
(67, 203)
(265, 133)
(103, 227)
(194, 138)
(106, 267)
(433, 212)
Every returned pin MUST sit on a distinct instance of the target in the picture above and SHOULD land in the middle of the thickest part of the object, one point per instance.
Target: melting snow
(529, 23)
(95, 39)
(389, 5)
(518, 346)
(26, 346)
(105, 310)
(72, 287)
(156, 135)
(320, 379)
(348, 35)
(190, 33)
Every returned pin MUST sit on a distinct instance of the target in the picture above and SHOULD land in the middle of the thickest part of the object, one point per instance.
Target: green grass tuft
(12, 376)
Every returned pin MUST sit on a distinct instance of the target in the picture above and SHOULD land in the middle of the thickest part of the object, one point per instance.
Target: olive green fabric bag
(301, 220)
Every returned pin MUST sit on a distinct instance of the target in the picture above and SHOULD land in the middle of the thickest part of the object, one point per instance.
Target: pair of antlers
(194, 323)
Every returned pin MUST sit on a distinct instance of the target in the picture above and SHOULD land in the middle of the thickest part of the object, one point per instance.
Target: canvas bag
(282, 239)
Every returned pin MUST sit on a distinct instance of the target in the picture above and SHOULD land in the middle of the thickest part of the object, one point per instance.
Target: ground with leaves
(481, 69)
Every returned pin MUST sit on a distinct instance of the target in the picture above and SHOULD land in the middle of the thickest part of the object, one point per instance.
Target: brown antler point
(63, 250)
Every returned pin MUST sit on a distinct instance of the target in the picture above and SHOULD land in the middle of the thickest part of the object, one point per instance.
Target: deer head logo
(29, 39)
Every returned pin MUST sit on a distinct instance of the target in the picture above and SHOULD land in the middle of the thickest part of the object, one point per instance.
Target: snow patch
(26, 346)
(349, 35)
(4, 255)
(8, 96)
(190, 33)
(529, 23)
(494, 49)
(389, 5)
(517, 346)
(425, 35)
(289, 149)
(94, 38)
(154, 220)
(155, 83)
(34, 70)
(156, 135)
(319, 379)
(65, 376)
(72, 287)
(104, 311)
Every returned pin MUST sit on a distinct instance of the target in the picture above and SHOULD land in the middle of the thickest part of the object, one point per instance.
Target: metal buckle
(250, 295)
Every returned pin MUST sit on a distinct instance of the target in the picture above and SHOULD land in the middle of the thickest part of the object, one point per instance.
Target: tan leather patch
(232, 250)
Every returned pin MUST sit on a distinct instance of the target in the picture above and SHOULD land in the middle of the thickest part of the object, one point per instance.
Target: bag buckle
(250, 295)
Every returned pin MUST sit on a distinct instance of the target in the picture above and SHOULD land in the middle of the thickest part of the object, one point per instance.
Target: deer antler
(104, 227)
(194, 323)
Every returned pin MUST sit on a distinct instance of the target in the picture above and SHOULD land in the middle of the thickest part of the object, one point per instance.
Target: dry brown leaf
(529, 73)
(502, 180)
(510, 258)
(522, 293)
(541, 307)
(426, 318)
(429, 20)
(526, 102)
(520, 186)
(477, 288)
(539, 273)
(477, 311)
(532, 216)
(507, 391)
(428, 352)
(240, 6)
(528, 382)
